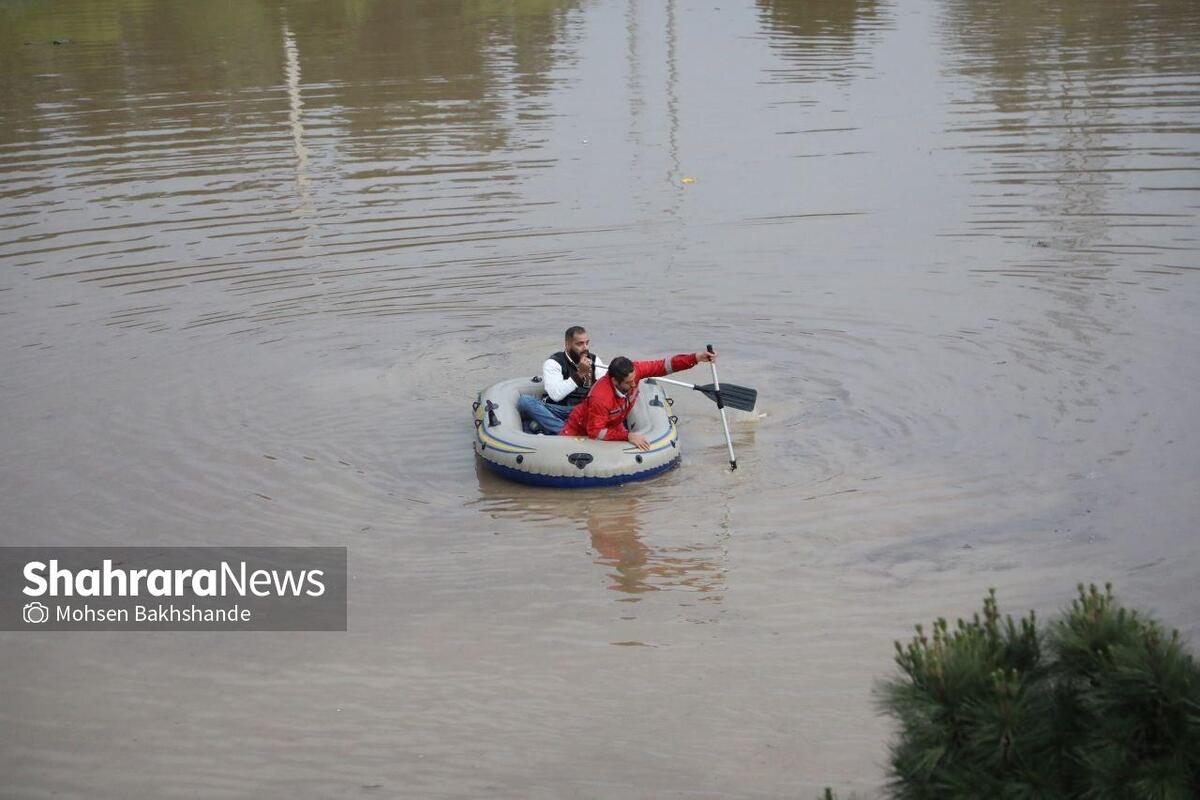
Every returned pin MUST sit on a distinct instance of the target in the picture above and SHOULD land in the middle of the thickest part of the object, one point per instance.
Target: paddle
(721, 406)
(740, 397)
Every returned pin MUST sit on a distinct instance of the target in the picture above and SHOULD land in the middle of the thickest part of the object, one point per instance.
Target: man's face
(626, 384)
(580, 343)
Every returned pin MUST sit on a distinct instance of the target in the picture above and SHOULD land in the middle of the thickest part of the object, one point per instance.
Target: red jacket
(602, 414)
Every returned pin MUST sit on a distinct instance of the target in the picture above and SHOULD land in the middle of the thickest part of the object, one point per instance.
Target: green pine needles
(1103, 703)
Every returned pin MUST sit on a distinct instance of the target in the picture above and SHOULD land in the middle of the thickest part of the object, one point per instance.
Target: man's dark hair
(574, 331)
(619, 368)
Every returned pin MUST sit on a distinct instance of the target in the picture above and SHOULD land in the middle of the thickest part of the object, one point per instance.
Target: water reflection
(169, 148)
(295, 104)
(630, 536)
(1076, 114)
(360, 51)
(617, 538)
(822, 39)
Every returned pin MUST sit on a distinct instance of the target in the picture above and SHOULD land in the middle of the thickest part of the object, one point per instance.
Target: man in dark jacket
(567, 377)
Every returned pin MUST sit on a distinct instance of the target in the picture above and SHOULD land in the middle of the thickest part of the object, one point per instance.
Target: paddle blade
(742, 398)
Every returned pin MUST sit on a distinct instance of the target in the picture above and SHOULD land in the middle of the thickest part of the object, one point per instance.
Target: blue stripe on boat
(568, 482)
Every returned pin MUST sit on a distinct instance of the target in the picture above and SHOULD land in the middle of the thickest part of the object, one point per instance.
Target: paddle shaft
(677, 383)
(721, 406)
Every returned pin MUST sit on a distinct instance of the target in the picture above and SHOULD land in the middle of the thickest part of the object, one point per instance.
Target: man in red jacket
(602, 414)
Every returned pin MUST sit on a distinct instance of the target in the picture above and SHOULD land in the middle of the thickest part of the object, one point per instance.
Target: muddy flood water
(256, 259)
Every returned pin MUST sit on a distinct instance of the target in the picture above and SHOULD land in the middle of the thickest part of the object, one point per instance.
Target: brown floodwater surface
(257, 258)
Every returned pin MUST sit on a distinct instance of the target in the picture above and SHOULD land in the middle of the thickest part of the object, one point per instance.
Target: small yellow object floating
(689, 180)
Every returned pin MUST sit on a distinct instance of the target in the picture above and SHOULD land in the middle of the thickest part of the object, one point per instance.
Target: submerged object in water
(572, 461)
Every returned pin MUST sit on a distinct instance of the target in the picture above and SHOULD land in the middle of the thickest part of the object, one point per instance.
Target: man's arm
(665, 366)
(556, 386)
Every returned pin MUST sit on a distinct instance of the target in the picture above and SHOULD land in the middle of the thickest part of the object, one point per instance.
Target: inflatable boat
(572, 461)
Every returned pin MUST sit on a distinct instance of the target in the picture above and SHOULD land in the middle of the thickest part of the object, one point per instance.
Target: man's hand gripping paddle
(742, 398)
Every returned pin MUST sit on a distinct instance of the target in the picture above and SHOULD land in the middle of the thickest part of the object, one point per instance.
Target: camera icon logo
(35, 613)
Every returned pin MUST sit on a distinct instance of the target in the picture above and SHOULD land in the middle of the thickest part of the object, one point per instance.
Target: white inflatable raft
(572, 461)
